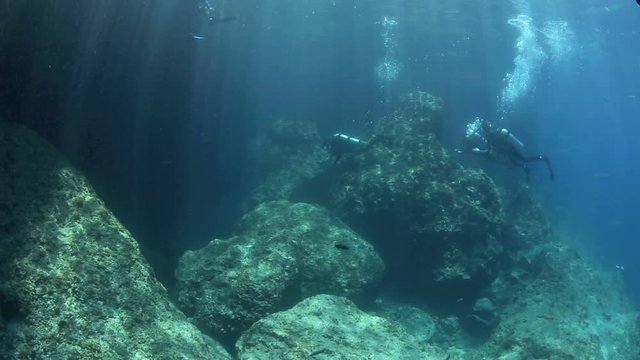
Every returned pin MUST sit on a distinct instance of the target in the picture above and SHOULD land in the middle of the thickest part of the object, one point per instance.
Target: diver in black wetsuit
(499, 144)
(341, 144)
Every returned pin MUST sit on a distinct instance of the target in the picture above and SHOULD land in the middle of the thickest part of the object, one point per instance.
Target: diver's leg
(541, 158)
(551, 174)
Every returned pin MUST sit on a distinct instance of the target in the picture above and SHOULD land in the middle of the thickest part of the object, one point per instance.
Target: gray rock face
(568, 311)
(284, 252)
(330, 327)
(332, 258)
(73, 284)
(231, 283)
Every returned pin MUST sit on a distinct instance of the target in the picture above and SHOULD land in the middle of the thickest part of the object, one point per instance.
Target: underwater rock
(483, 262)
(416, 113)
(528, 235)
(229, 284)
(524, 219)
(567, 311)
(415, 321)
(73, 284)
(330, 327)
(283, 253)
(286, 154)
(436, 224)
(482, 320)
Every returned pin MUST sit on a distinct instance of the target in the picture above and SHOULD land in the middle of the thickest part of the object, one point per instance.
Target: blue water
(157, 101)
(586, 115)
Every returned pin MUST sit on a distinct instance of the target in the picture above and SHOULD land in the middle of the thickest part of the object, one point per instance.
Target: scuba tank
(347, 139)
(345, 144)
(512, 140)
(341, 144)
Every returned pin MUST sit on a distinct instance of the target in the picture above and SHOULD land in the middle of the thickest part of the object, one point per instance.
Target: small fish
(318, 352)
(342, 246)
(198, 37)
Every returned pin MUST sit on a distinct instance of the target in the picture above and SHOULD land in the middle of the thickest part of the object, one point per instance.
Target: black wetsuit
(500, 147)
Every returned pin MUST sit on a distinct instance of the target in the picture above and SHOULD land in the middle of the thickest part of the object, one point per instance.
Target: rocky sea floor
(397, 252)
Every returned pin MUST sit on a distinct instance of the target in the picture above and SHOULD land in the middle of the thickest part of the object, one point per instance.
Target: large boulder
(282, 253)
(229, 284)
(330, 327)
(73, 284)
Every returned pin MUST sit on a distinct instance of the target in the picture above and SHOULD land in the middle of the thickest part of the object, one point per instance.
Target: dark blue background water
(161, 122)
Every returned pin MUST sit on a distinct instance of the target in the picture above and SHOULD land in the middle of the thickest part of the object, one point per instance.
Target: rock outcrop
(73, 284)
(567, 310)
(436, 224)
(482, 263)
(283, 252)
(330, 327)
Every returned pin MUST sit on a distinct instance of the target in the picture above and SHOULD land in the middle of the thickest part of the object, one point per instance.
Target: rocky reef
(283, 253)
(330, 327)
(394, 252)
(436, 224)
(566, 310)
(73, 284)
(470, 268)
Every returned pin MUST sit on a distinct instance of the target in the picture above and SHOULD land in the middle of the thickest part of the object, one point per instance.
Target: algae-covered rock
(330, 327)
(73, 284)
(229, 284)
(415, 321)
(417, 112)
(283, 253)
(483, 267)
(436, 224)
(332, 259)
(567, 311)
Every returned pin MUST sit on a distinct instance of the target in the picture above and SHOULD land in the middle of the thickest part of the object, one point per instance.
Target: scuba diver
(499, 144)
(341, 144)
